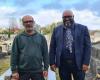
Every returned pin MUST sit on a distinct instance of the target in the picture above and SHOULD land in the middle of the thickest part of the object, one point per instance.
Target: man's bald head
(27, 18)
(68, 13)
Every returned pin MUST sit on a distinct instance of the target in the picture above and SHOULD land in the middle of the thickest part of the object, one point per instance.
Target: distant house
(15, 30)
(95, 36)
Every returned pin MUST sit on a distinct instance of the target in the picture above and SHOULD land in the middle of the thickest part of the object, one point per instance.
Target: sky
(45, 12)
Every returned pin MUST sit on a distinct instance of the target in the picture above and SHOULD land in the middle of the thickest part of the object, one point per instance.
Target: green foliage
(48, 29)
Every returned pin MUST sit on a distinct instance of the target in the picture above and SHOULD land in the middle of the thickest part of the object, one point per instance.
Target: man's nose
(66, 18)
(28, 22)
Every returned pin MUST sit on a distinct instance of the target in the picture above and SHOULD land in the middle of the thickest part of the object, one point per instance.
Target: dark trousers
(31, 76)
(68, 69)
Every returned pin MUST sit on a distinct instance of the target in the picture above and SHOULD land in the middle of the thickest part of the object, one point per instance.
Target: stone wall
(95, 61)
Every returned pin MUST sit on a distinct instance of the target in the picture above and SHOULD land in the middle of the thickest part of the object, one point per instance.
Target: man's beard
(68, 23)
(29, 30)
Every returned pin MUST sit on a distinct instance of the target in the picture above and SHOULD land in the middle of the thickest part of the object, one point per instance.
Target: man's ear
(73, 16)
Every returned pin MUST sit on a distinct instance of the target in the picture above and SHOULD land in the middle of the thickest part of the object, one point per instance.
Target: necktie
(68, 39)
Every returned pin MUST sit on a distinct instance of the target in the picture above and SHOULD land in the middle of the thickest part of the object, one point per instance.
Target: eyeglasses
(30, 21)
(67, 16)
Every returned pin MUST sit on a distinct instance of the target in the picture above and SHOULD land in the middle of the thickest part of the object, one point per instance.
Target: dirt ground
(4, 64)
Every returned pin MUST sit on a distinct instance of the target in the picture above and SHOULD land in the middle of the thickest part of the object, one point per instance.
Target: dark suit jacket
(82, 45)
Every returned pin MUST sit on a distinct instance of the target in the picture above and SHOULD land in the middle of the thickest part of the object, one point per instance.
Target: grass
(4, 64)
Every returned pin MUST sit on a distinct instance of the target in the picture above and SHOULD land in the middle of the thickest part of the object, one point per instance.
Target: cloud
(45, 17)
(48, 16)
(85, 17)
(77, 4)
(4, 22)
(4, 15)
(32, 6)
(6, 10)
(48, 11)
(88, 18)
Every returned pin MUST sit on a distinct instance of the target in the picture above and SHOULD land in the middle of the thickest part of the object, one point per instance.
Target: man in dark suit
(70, 48)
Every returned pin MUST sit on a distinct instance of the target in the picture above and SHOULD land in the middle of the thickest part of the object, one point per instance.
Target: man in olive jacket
(29, 57)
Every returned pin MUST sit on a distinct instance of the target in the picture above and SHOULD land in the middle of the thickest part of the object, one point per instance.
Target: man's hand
(45, 73)
(85, 67)
(53, 67)
(15, 76)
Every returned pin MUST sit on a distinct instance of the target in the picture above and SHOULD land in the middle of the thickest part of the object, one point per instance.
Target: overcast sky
(47, 11)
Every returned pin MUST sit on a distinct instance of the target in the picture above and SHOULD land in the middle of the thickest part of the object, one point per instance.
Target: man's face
(68, 19)
(28, 23)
